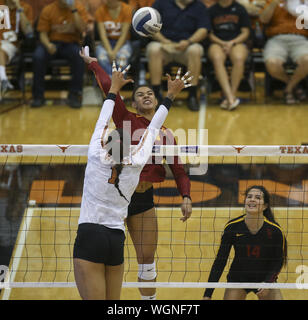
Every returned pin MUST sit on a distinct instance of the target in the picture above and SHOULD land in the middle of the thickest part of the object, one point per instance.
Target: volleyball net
(40, 196)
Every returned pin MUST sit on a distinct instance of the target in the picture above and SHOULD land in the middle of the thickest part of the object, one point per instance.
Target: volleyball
(146, 21)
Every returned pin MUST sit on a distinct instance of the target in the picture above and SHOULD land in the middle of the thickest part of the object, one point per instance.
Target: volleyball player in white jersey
(111, 176)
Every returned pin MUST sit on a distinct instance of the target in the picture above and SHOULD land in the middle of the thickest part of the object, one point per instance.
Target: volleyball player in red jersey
(142, 220)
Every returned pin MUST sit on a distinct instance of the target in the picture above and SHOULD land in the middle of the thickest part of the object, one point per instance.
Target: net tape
(212, 150)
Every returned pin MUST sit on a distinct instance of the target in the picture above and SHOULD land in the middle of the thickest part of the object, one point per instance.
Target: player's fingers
(121, 66)
(178, 74)
(86, 51)
(114, 66)
(185, 75)
(126, 69)
(168, 76)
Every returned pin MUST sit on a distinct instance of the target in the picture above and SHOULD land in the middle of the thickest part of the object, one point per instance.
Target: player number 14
(253, 251)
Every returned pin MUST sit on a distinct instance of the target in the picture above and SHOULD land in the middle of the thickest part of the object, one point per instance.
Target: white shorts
(9, 48)
(284, 46)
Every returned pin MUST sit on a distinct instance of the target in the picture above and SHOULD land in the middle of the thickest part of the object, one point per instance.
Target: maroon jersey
(151, 172)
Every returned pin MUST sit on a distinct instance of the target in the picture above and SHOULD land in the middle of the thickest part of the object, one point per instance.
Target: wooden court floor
(253, 123)
(185, 252)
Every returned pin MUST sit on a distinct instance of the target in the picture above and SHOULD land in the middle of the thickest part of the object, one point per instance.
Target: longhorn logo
(239, 149)
(63, 148)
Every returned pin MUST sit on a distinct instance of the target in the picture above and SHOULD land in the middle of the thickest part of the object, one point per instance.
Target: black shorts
(97, 243)
(248, 280)
(141, 202)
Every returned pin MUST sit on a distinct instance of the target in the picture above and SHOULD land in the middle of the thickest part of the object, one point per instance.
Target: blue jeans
(123, 55)
(69, 51)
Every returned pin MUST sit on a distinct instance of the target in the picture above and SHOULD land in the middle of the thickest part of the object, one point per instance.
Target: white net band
(81, 150)
(234, 285)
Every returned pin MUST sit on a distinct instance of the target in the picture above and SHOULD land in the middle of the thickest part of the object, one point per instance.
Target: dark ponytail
(119, 168)
(269, 215)
(116, 140)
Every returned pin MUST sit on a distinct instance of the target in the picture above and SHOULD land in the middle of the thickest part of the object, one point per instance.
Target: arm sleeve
(244, 19)
(220, 261)
(104, 82)
(44, 24)
(101, 127)
(276, 258)
(180, 176)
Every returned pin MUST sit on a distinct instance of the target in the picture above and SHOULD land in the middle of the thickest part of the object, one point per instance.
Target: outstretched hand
(178, 84)
(84, 54)
(118, 80)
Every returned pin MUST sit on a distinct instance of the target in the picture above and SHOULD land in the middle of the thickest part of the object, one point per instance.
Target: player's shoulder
(234, 222)
(49, 8)
(274, 225)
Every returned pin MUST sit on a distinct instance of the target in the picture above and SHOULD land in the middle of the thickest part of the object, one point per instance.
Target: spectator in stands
(113, 23)
(20, 18)
(254, 9)
(185, 26)
(91, 6)
(209, 3)
(285, 41)
(231, 29)
(137, 4)
(61, 24)
(38, 6)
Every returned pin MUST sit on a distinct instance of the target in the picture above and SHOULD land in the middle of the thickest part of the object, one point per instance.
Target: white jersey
(101, 202)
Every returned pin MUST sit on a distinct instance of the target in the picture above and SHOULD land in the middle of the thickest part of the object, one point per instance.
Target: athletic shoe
(234, 105)
(5, 85)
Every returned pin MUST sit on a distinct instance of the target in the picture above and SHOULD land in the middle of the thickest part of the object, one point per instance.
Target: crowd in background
(217, 29)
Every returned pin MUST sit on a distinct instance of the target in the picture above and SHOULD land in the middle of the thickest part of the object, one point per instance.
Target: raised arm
(104, 82)
(118, 81)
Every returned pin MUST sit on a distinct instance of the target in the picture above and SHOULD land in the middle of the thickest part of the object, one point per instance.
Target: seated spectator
(185, 26)
(137, 4)
(209, 3)
(113, 24)
(231, 29)
(60, 25)
(285, 41)
(20, 18)
(254, 9)
(91, 6)
(38, 6)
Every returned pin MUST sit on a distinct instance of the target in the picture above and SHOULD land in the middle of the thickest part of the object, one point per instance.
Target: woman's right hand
(118, 80)
(178, 84)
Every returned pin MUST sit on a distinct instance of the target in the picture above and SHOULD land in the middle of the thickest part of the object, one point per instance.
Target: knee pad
(147, 271)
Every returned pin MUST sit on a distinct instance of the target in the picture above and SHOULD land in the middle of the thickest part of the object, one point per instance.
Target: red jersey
(151, 172)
